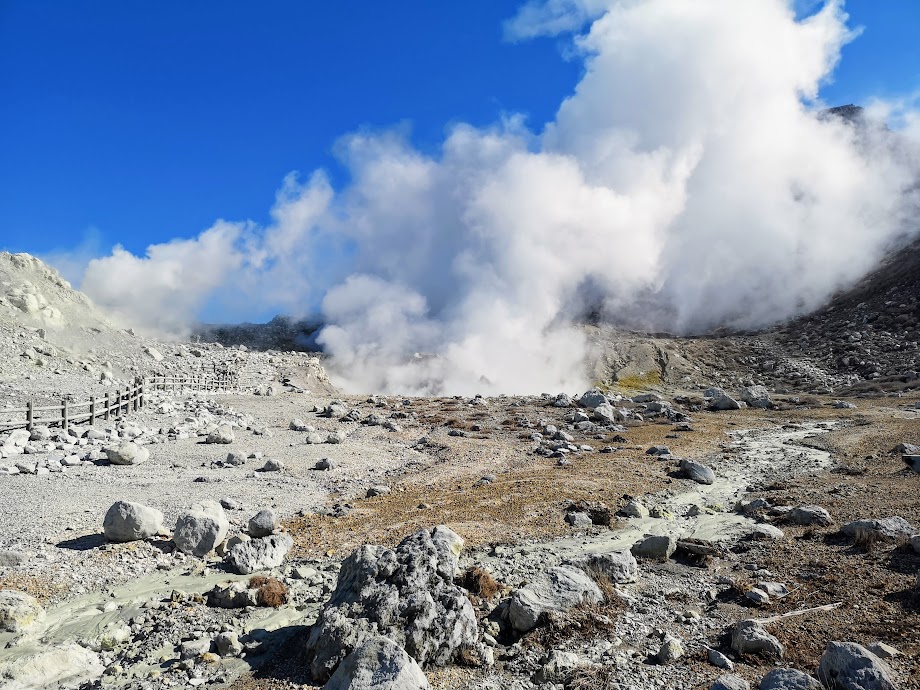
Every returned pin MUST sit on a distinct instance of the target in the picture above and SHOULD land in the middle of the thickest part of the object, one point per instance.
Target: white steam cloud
(688, 182)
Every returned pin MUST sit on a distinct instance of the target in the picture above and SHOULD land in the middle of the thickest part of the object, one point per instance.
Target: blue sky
(138, 122)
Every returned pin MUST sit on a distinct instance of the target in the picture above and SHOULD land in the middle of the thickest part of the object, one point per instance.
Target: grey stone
(272, 465)
(730, 682)
(809, 515)
(670, 650)
(750, 637)
(407, 594)
(324, 465)
(757, 396)
(890, 529)
(655, 547)
(719, 660)
(192, 649)
(788, 679)
(722, 402)
(558, 667)
(337, 437)
(635, 509)
(579, 520)
(263, 523)
(555, 590)
(235, 459)
(618, 567)
(765, 531)
(228, 644)
(126, 521)
(850, 666)
(222, 434)
(232, 595)
(127, 454)
(605, 412)
(757, 595)
(201, 529)
(378, 664)
(698, 472)
(251, 556)
(592, 399)
(883, 650)
(378, 490)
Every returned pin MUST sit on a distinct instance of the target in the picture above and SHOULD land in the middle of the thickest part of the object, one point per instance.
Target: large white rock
(18, 611)
(378, 664)
(201, 529)
(126, 521)
(127, 454)
(558, 589)
(66, 666)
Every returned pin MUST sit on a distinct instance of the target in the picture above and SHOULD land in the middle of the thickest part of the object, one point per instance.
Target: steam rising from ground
(688, 182)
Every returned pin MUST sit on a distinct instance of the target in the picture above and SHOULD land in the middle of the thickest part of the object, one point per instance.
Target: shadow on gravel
(284, 658)
(85, 543)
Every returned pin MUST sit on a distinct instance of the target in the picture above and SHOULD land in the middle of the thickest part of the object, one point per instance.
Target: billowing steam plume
(689, 181)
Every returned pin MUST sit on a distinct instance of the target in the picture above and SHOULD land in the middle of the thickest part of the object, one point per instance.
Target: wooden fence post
(64, 420)
(108, 405)
(137, 392)
(29, 415)
(92, 410)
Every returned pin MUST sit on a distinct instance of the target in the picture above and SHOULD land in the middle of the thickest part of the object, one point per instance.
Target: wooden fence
(114, 404)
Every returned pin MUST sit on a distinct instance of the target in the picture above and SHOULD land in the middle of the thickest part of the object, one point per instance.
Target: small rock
(618, 567)
(272, 465)
(579, 520)
(788, 679)
(765, 531)
(558, 589)
(671, 650)
(635, 509)
(887, 529)
(558, 667)
(259, 554)
(719, 660)
(378, 664)
(263, 523)
(127, 454)
(698, 472)
(730, 682)
(809, 515)
(222, 434)
(655, 547)
(228, 644)
(750, 637)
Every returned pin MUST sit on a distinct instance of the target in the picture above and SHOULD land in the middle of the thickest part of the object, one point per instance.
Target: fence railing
(113, 405)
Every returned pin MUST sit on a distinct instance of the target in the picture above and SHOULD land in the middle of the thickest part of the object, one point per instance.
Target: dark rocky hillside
(872, 330)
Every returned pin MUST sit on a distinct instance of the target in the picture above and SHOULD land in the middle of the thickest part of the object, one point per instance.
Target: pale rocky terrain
(716, 509)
